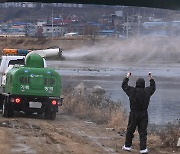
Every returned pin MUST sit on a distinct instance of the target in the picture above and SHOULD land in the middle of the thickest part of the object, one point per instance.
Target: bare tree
(91, 31)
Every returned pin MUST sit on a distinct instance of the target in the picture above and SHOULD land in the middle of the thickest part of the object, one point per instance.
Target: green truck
(32, 88)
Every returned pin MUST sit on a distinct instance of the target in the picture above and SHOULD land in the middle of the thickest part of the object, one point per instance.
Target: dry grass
(169, 135)
(102, 110)
(97, 108)
(42, 43)
(24, 43)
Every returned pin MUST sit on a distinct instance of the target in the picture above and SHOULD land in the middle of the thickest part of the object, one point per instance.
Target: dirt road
(34, 135)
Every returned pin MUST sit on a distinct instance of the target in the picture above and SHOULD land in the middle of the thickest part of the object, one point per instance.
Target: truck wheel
(52, 115)
(8, 110)
(4, 111)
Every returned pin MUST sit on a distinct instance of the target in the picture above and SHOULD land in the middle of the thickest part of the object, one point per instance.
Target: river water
(165, 103)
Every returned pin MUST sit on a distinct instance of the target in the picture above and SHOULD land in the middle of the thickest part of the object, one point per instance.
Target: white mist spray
(149, 48)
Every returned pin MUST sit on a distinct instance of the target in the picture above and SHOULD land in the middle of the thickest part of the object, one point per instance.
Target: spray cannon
(55, 52)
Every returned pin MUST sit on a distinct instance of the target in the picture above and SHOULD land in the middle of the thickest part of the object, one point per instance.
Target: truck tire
(52, 115)
(4, 111)
(8, 110)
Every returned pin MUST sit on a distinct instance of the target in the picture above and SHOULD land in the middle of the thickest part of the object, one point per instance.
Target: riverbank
(96, 107)
(164, 104)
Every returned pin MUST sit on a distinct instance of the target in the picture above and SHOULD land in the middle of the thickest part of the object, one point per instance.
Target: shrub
(97, 108)
(19, 41)
(169, 135)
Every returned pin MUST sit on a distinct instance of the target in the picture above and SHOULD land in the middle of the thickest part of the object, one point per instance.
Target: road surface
(34, 135)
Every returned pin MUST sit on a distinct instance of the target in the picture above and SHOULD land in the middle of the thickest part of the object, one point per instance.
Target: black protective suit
(139, 97)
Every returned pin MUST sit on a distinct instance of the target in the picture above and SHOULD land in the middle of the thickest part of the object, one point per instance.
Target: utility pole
(52, 24)
(139, 24)
(127, 29)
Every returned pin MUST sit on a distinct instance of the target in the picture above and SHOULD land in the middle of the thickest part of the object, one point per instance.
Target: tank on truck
(17, 56)
(9, 61)
(48, 53)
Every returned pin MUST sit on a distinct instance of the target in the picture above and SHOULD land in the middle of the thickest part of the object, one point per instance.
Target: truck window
(18, 61)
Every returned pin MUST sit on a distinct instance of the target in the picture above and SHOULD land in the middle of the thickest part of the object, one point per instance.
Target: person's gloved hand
(128, 74)
(150, 75)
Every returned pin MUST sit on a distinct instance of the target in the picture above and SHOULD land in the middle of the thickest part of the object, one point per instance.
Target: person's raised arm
(152, 86)
(125, 85)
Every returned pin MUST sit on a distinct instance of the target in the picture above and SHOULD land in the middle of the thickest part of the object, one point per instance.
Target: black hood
(140, 83)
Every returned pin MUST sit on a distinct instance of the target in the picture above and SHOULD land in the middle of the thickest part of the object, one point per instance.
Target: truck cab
(8, 61)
